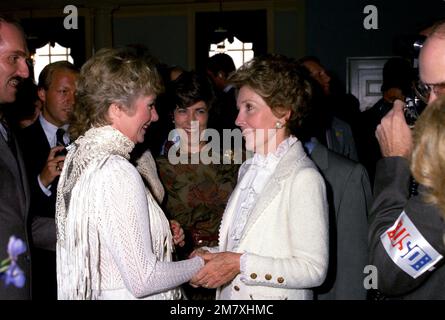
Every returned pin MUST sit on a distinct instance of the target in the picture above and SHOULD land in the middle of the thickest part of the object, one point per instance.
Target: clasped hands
(219, 269)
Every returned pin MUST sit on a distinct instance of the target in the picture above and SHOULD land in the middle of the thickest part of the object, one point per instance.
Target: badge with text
(408, 248)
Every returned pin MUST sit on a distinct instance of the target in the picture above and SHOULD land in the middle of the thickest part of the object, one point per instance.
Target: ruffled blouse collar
(253, 179)
(261, 166)
(107, 140)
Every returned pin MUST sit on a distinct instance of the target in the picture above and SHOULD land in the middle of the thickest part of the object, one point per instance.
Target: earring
(278, 125)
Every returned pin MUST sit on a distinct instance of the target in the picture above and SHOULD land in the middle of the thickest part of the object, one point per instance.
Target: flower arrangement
(10, 272)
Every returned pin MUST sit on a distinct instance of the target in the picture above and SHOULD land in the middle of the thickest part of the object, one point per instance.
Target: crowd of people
(286, 212)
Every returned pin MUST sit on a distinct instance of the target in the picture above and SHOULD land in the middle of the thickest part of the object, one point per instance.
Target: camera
(412, 110)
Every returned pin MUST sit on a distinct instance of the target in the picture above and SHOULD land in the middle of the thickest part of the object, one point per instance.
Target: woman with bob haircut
(273, 239)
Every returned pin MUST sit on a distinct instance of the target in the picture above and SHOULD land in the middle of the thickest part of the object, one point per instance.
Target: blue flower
(16, 247)
(14, 275)
(10, 272)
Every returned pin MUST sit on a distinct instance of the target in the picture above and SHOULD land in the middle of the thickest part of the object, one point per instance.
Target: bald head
(432, 59)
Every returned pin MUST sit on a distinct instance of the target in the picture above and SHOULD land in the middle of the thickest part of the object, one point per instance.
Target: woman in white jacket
(113, 240)
(273, 239)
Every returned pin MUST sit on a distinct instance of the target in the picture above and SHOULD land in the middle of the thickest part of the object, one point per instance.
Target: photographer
(406, 235)
(398, 76)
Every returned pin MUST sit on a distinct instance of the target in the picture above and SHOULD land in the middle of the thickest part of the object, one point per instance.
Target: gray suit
(339, 138)
(14, 205)
(349, 196)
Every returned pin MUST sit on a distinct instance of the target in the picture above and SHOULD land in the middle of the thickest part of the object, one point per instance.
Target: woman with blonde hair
(113, 240)
(428, 161)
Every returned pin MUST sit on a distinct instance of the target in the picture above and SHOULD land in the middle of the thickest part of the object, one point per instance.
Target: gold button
(268, 276)
(236, 288)
(280, 279)
(253, 275)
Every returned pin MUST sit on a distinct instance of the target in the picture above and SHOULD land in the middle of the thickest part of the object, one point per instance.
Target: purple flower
(14, 275)
(16, 247)
(10, 272)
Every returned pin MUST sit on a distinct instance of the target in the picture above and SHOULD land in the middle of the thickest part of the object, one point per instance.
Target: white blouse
(253, 176)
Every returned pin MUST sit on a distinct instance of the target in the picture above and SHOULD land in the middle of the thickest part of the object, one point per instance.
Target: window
(48, 54)
(239, 51)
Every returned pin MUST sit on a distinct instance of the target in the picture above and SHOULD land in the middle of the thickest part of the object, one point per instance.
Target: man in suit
(14, 192)
(42, 143)
(337, 109)
(349, 196)
(398, 76)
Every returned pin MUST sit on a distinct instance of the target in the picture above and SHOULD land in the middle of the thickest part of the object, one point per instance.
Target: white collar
(50, 130)
(275, 156)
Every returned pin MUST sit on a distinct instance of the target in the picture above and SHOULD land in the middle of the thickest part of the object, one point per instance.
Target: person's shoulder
(117, 165)
(32, 138)
(31, 130)
(341, 161)
(339, 124)
(305, 171)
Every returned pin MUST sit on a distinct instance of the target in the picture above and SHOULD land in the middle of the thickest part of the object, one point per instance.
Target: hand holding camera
(393, 133)
(410, 111)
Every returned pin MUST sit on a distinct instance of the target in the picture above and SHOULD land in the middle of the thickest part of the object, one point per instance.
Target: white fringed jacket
(113, 240)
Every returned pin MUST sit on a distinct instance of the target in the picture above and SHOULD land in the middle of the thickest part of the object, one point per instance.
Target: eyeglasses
(423, 90)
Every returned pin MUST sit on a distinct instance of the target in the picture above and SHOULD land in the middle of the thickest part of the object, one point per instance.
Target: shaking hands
(220, 268)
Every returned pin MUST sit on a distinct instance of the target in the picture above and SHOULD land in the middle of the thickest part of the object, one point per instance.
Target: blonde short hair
(428, 159)
(117, 76)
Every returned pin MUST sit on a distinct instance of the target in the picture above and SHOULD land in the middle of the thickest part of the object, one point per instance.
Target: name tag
(408, 248)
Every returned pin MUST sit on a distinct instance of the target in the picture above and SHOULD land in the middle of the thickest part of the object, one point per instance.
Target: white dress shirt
(50, 133)
(252, 183)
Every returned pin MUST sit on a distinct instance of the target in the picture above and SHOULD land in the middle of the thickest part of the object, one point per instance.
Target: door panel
(364, 79)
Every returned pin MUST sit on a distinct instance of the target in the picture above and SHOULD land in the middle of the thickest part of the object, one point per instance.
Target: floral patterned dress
(196, 196)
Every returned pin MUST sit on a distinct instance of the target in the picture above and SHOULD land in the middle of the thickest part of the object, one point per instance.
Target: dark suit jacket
(391, 192)
(349, 197)
(35, 149)
(14, 204)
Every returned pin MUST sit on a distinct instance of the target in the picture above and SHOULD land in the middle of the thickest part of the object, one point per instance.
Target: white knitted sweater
(114, 241)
